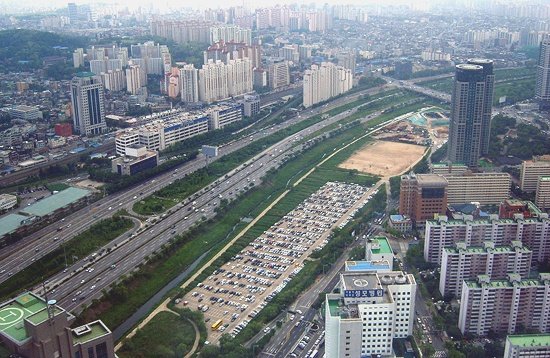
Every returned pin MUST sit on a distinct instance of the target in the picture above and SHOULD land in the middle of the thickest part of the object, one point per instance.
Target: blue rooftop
(365, 266)
(397, 218)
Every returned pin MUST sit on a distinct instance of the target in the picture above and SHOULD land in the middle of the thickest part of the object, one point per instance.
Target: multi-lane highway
(18, 256)
(80, 284)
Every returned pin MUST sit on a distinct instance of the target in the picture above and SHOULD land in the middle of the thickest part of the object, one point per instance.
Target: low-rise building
(505, 306)
(463, 262)
(369, 312)
(379, 249)
(27, 113)
(7, 201)
(251, 105)
(527, 346)
(173, 126)
(136, 159)
(401, 223)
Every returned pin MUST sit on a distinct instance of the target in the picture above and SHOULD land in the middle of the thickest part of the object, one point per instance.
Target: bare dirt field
(384, 159)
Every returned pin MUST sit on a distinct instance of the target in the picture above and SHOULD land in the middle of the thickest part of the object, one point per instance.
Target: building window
(77, 354)
(101, 350)
(91, 353)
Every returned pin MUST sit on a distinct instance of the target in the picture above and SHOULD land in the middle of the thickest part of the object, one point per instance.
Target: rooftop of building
(384, 246)
(10, 223)
(28, 307)
(530, 340)
(431, 180)
(89, 332)
(56, 201)
(84, 74)
(446, 165)
(399, 218)
(367, 265)
(483, 281)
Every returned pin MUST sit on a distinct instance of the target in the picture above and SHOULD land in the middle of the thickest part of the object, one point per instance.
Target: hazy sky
(26, 5)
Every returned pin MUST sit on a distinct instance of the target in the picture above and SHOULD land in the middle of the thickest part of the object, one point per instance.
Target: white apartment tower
(133, 79)
(279, 74)
(88, 104)
(189, 79)
(369, 312)
(218, 81)
(324, 82)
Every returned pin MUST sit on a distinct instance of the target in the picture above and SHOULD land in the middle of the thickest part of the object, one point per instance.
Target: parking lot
(238, 290)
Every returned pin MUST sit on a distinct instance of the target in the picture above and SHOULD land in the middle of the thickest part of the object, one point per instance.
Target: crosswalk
(440, 354)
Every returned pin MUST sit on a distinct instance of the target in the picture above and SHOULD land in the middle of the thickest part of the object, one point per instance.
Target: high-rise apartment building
(133, 78)
(422, 196)
(465, 127)
(114, 80)
(324, 82)
(503, 306)
(78, 58)
(278, 74)
(489, 77)
(218, 81)
(463, 262)
(531, 170)
(484, 188)
(542, 199)
(527, 346)
(534, 233)
(189, 81)
(226, 51)
(542, 88)
(88, 104)
(369, 312)
(347, 59)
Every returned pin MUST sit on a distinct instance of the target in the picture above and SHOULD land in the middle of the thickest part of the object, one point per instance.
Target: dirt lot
(384, 158)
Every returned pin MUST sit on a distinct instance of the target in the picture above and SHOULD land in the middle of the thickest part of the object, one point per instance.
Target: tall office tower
(464, 145)
(487, 101)
(73, 11)
(78, 58)
(324, 82)
(422, 196)
(505, 306)
(542, 89)
(133, 79)
(370, 311)
(279, 74)
(87, 104)
(189, 80)
(347, 60)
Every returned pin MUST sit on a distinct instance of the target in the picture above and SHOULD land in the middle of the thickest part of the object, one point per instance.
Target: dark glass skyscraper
(467, 109)
(487, 101)
(542, 89)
